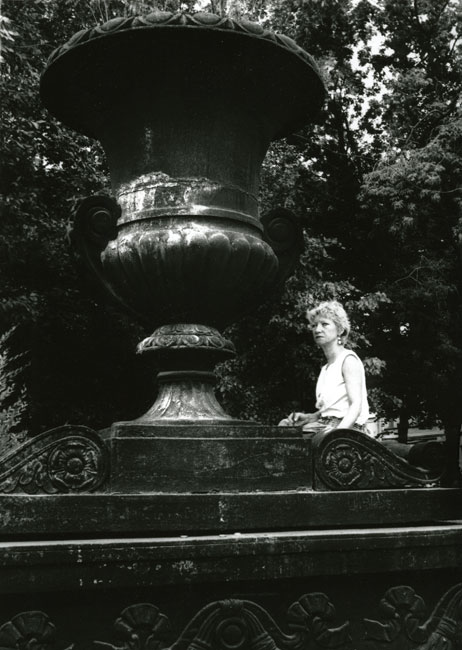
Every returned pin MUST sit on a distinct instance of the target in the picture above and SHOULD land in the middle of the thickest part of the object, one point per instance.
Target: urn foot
(187, 354)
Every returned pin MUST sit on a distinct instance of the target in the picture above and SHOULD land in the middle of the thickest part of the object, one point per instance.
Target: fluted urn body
(185, 107)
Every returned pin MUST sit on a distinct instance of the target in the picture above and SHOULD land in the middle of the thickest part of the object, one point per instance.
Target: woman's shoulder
(349, 352)
(350, 358)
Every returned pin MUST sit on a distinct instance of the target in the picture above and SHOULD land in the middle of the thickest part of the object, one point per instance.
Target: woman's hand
(306, 418)
(299, 419)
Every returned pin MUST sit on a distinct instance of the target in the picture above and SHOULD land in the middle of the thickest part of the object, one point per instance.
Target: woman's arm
(352, 374)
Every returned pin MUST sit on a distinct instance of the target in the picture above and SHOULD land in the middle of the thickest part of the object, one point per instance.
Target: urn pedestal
(186, 529)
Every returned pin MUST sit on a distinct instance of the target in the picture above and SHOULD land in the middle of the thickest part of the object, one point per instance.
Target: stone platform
(291, 564)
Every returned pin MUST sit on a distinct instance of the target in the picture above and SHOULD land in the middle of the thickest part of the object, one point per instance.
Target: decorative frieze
(235, 624)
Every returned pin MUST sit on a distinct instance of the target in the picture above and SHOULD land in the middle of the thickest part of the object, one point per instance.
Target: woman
(341, 396)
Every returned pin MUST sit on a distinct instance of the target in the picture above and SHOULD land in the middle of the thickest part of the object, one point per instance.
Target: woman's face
(324, 330)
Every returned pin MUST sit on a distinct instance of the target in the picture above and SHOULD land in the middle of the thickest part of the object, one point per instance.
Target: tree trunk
(403, 426)
(452, 474)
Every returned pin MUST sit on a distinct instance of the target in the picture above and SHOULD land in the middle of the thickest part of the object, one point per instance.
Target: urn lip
(72, 68)
(200, 19)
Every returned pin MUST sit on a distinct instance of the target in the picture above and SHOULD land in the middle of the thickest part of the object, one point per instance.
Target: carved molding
(345, 459)
(244, 625)
(200, 20)
(187, 336)
(191, 272)
(157, 194)
(65, 459)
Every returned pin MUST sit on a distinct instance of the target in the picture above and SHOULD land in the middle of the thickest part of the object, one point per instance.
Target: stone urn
(185, 107)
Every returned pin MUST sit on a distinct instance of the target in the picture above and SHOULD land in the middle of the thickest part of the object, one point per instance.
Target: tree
(412, 201)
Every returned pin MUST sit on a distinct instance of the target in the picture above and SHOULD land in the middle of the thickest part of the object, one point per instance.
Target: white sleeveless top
(331, 394)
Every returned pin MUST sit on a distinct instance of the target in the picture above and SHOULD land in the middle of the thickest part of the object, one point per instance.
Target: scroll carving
(350, 460)
(95, 224)
(231, 625)
(284, 233)
(65, 459)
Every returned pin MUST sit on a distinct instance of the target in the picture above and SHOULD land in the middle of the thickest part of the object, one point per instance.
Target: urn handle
(95, 224)
(282, 230)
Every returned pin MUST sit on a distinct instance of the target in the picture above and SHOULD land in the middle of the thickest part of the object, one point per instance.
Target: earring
(339, 340)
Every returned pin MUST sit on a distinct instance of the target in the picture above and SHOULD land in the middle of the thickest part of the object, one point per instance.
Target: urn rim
(285, 71)
(199, 20)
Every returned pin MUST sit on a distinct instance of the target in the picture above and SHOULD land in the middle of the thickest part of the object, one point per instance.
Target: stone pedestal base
(206, 458)
(126, 541)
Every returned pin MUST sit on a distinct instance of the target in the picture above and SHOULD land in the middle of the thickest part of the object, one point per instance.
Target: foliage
(13, 396)
(380, 176)
(411, 201)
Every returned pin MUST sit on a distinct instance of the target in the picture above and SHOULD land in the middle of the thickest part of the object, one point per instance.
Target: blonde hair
(334, 310)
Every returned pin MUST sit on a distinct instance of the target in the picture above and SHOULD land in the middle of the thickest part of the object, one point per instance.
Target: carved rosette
(65, 459)
(28, 631)
(345, 459)
(310, 616)
(403, 622)
(142, 627)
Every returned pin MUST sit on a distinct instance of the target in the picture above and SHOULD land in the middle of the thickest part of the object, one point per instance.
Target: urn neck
(202, 159)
